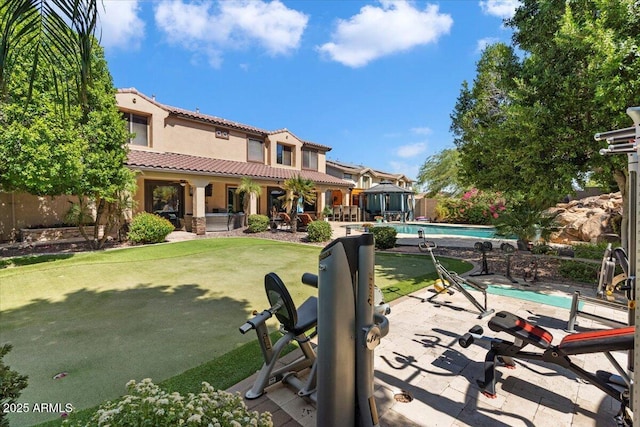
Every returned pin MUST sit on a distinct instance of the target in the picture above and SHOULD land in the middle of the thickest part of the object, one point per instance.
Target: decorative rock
(586, 219)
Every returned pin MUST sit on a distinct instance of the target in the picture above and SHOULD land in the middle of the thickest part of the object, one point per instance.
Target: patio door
(164, 198)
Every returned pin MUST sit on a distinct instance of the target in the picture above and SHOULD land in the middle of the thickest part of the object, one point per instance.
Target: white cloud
(119, 24)
(375, 32)
(483, 43)
(407, 169)
(212, 28)
(500, 8)
(411, 150)
(421, 130)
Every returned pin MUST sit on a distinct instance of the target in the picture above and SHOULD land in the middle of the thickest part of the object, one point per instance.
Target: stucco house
(189, 165)
(361, 178)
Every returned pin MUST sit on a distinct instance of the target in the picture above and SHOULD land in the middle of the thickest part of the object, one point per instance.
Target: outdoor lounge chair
(304, 220)
(285, 220)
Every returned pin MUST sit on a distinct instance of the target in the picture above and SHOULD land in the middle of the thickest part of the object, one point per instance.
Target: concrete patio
(421, 356)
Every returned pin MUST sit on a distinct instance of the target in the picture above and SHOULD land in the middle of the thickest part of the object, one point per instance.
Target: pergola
(389, 201)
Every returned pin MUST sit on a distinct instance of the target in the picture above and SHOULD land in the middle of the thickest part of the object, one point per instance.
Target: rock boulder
(586, 220)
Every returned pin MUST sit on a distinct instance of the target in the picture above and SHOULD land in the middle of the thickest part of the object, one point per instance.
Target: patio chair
(337, 213)
(353, 213)
(304, 220)
(285, 220)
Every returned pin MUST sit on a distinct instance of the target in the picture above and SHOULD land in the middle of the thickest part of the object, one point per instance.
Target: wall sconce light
(183, 182)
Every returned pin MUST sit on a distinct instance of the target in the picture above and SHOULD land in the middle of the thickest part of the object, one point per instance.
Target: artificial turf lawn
(153, 311)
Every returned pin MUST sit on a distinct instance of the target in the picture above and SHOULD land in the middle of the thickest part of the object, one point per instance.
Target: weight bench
(526, 333)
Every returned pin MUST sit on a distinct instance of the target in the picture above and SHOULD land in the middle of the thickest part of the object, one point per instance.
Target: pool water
(451, 230)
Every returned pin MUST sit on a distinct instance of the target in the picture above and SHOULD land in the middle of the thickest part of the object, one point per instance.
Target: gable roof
(173, 162)
(361, 170)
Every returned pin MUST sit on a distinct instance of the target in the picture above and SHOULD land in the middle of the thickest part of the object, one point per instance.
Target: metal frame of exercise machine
(454, 280)
(297, 324)
(625, 141)
(608, 283)
(351, 320)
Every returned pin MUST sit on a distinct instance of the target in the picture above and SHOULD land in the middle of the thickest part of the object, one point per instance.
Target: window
(138, 125)
(222, 133)
(235, 201)
(366, 182)
(255, 152)
(284, 155)
(347, 176)
(310, 160)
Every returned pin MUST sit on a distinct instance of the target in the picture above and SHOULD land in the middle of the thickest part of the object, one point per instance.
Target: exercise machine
(483, 248)
(350, 315)
(350, 330)
(297, 324)
(451, 280)
(525, 333)
(608, 283)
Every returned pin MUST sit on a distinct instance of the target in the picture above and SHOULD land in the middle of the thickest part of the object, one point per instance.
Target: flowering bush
(474, 207)
(148, 405)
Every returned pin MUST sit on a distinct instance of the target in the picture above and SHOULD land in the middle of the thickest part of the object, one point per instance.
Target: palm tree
(56, 31)
(247, 188)
(298, 190)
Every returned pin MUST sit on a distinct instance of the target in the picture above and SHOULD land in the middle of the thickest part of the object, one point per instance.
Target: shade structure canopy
(389, 201)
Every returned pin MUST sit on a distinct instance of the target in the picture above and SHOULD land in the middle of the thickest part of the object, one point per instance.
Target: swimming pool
(440, 229)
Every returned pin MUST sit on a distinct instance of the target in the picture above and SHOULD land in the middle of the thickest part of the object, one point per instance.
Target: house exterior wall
(21, 210)
(171, 131)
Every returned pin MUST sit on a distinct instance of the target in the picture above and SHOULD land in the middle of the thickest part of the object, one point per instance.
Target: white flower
(196, 418)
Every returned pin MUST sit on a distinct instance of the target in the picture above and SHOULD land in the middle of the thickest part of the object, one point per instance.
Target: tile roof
(196, 115)
(174, 162)
(359, 169)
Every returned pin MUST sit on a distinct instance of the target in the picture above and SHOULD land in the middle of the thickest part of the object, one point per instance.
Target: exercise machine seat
(297, 321)
(307, 316)
(518, 327)
(598, 341)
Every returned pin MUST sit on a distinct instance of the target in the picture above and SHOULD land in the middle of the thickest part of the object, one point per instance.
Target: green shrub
(146, 404)
(11, 385)
(616, 223)
(149, 228)
(542, 249)
(257, 223)
(385, 237)
(579, 271)
(319, 231)
(590, 250)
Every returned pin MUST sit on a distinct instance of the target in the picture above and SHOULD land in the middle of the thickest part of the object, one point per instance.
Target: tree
(299, 190)
(56, 34)
(81, 152)
(11, 384)
(577, 76)
(247, 189)
(489, 153)
(439, 173)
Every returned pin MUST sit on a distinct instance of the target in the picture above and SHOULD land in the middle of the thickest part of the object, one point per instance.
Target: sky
(375, 80)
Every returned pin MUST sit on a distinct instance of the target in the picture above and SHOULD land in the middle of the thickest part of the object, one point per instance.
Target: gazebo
(389, 201)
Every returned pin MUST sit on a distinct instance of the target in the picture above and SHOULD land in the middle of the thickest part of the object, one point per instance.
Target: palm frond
(61, 31)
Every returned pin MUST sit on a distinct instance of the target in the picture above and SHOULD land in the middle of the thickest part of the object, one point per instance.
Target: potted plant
(326, 212)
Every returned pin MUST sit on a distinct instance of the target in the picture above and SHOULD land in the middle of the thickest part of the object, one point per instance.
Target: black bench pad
(598, 341)
(518, 327)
